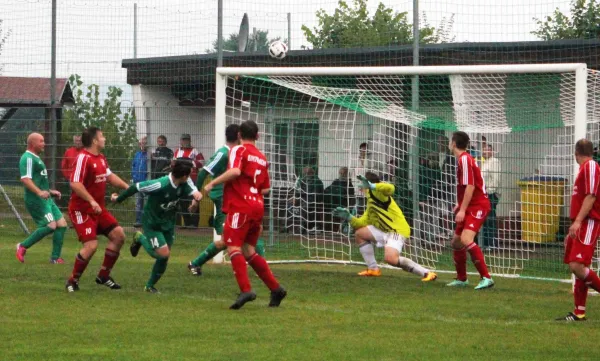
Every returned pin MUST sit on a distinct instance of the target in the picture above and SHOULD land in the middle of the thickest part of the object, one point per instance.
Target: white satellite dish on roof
(244, 34)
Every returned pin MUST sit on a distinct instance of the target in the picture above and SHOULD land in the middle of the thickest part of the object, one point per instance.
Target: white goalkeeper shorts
(394, 240)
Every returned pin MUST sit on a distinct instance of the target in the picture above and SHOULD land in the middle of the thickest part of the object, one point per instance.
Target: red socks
(240, 270)
(263, 271)
(580, 293)
(460, 262)
(78, 268)
(110, 258)
(478, 260)
(592, 280)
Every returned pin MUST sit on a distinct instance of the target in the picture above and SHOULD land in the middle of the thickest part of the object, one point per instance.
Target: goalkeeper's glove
(365, 184)
(342, 213)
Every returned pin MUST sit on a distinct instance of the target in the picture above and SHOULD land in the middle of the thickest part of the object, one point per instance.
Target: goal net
(321, 127)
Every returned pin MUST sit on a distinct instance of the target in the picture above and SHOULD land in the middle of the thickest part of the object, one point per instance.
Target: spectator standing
(360, 168)
(66, 166)
(139, 173)
(186, 151)
(161, 158)
(310, 192)
(340, 193)
(490, 170)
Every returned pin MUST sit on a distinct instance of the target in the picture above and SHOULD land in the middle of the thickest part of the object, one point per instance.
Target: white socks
(410, 266)
(368, 253)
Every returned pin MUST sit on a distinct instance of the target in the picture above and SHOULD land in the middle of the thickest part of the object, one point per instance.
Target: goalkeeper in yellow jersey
(384, 224)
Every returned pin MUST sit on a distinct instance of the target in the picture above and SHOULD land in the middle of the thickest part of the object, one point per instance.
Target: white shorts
(394, 240)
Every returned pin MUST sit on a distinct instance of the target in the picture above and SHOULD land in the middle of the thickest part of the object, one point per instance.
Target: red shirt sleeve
(236, 158)
(592, 177)
(79, 171)
(199, 160)
(267, 184)
(465, 171)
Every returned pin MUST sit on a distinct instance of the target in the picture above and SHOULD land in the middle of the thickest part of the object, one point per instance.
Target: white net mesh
(522, 131)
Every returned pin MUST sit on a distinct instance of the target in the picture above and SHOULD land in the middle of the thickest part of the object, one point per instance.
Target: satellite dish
(243, 34)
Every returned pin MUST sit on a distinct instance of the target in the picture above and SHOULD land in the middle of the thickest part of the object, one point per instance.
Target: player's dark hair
(182, 168)
(249, 130)
(162, 137)
(362, 145)
(231, 133)
(372, 177)
(584, 148)
(88, 136)
(461, 139)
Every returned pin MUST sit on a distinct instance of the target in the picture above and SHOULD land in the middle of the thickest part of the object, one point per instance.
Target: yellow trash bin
(207, 207)
(542, 198)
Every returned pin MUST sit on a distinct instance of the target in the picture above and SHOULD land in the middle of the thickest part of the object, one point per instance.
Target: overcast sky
(94, 36)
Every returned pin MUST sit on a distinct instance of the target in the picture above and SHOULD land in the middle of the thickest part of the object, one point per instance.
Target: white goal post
(314, 120)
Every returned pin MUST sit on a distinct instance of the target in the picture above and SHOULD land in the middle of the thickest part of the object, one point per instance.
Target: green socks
(206, 255)
(57, 241)
(160, 265)
(36, 236)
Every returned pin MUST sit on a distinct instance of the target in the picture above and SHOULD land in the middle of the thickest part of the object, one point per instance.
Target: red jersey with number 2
(468, 173)
(244, 194)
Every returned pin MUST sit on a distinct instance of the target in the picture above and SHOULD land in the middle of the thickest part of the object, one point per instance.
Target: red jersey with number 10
(91, 171)
(244, 194)
(468, 173)
(587, 182)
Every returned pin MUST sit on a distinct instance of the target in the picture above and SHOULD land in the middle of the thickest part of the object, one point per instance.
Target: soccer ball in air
(278, 49)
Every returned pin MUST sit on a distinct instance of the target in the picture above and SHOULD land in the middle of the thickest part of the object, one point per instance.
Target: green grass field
(330, 314)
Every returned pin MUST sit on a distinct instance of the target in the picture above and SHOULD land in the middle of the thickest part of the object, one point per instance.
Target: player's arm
(592, 178)
(468, 179)
(359, 222)
(228, 176)
(26, 170)
(116, 181)
(28, 183)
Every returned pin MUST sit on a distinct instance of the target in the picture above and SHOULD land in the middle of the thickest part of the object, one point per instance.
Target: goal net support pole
(14, 210)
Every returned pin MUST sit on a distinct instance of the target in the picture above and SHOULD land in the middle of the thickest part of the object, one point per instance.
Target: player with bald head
(38, 201)
(580, 243)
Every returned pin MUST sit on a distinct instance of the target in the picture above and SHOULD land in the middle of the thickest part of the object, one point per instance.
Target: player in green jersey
(158, 219)
(217, 165)
(38, 201)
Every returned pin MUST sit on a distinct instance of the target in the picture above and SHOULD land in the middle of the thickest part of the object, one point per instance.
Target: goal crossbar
(405, 70)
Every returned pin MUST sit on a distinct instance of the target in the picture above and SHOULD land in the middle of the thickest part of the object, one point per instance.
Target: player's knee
(62, 223)
(117, 236)
(577, 269)
(51, 225)
(89, 248)
(390, 259)
(249, 251)
(220, 244)
(163, 252)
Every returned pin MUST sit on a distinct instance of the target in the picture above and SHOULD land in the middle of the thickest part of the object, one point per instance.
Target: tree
(4, 34)
(117, 123)
(583, 22)
(231, 43)
(353, 26)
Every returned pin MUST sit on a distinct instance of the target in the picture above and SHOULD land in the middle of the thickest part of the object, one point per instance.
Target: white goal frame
(579, 69)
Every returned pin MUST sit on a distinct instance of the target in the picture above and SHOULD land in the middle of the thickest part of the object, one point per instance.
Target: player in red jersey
(471, 211)
(580, 243)
(88, 212)
(246, 181)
